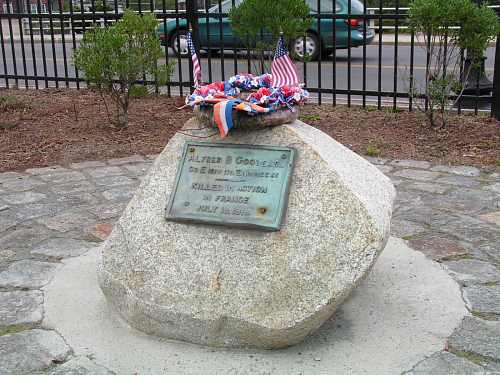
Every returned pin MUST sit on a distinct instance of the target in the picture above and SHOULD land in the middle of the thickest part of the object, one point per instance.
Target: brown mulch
(47, 127)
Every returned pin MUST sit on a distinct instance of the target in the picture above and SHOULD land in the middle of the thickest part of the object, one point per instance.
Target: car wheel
(179, 43)
(326, 52)
(307, 47)
(213, 52)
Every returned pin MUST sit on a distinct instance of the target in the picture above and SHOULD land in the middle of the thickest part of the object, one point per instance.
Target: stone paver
(458, 181)
(491, 250)
(68, 220)
(63, 247)
(21, 184)
(80, 366)
(6, 176)
(23, 237)
(494, 187)
(30, 274)
(73, 187)
(492, 217)
(45, 170)
(104, 171)
(137, 169)
(385, 168)
(126, 160)
(444, 363)
(21, 308)
(121, 193)
(88, 164)
(404, 228)
(484, 299)
(449, 213)
(24, 197)
(460, 170)
(371, 159)
(108, 210)
(478, 337)
(438, 247)
(419, 164)
(112, 181)
(7, 221)
(416, 174)
(7, 255)
(29, 351)
(63, 177)
(429, 188)
(467, 271)
(470, 229)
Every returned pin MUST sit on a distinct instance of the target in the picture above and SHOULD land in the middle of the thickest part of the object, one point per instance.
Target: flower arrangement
(261, 93)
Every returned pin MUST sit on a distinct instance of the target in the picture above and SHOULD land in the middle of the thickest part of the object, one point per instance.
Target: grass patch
(370, 108)
(484, 315)
(11, 103)
(310, 117)
(13, 329)
(392, 110)
(408, 238)
(474, 358)
(7, 125)
(372, 150)
(456, 257)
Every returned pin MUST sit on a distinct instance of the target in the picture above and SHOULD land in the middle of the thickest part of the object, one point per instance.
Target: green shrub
(448, 27)
(372, 150)
(11, 103)
(254, 18)
(114, 58)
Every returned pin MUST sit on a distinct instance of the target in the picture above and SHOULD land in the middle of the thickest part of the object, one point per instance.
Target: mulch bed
(47, 127)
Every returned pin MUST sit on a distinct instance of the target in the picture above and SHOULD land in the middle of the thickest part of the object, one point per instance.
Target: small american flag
(194, 58)
(283, 69)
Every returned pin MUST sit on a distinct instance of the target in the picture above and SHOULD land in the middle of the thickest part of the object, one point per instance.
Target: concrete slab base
(400, 314)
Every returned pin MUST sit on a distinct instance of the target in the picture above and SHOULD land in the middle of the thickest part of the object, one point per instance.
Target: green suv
(321, 32)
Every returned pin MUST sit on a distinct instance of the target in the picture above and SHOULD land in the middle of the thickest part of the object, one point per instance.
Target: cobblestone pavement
(451, 214)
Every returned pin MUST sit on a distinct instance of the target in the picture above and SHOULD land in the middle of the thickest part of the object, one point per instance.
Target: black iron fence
(368, 58)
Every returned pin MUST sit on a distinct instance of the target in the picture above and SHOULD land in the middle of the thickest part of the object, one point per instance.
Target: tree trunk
(122, 117)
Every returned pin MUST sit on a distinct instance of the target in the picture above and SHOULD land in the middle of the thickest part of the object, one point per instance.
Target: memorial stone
(259, 249)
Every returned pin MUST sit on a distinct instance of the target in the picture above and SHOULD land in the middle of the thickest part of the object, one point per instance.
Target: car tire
(213, 52)
(325, 53)
(312, 46)
(179, 39)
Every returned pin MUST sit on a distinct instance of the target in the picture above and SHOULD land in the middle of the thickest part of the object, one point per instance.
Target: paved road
(55, 66)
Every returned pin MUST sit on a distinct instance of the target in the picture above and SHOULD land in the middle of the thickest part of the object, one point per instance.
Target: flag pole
(190, 61)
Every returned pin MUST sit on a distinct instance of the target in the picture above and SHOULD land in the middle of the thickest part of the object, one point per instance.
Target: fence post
(192, 19)
(495, 100)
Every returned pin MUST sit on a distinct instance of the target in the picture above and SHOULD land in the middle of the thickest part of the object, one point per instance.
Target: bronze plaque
(232, 184)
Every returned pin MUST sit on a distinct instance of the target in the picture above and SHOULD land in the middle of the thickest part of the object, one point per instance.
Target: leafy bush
(448, 27)
(253, 18)
(114, 58)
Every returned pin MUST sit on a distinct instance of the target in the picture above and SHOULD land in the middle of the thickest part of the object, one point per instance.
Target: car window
(326, 6)
(226, 6)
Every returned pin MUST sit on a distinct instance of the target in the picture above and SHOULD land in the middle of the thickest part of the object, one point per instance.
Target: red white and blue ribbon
(223, 115)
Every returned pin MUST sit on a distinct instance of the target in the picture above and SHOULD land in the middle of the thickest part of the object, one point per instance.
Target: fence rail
(379, 68)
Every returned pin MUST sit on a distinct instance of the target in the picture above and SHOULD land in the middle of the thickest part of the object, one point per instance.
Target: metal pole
(495, 100)
(192, 19)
